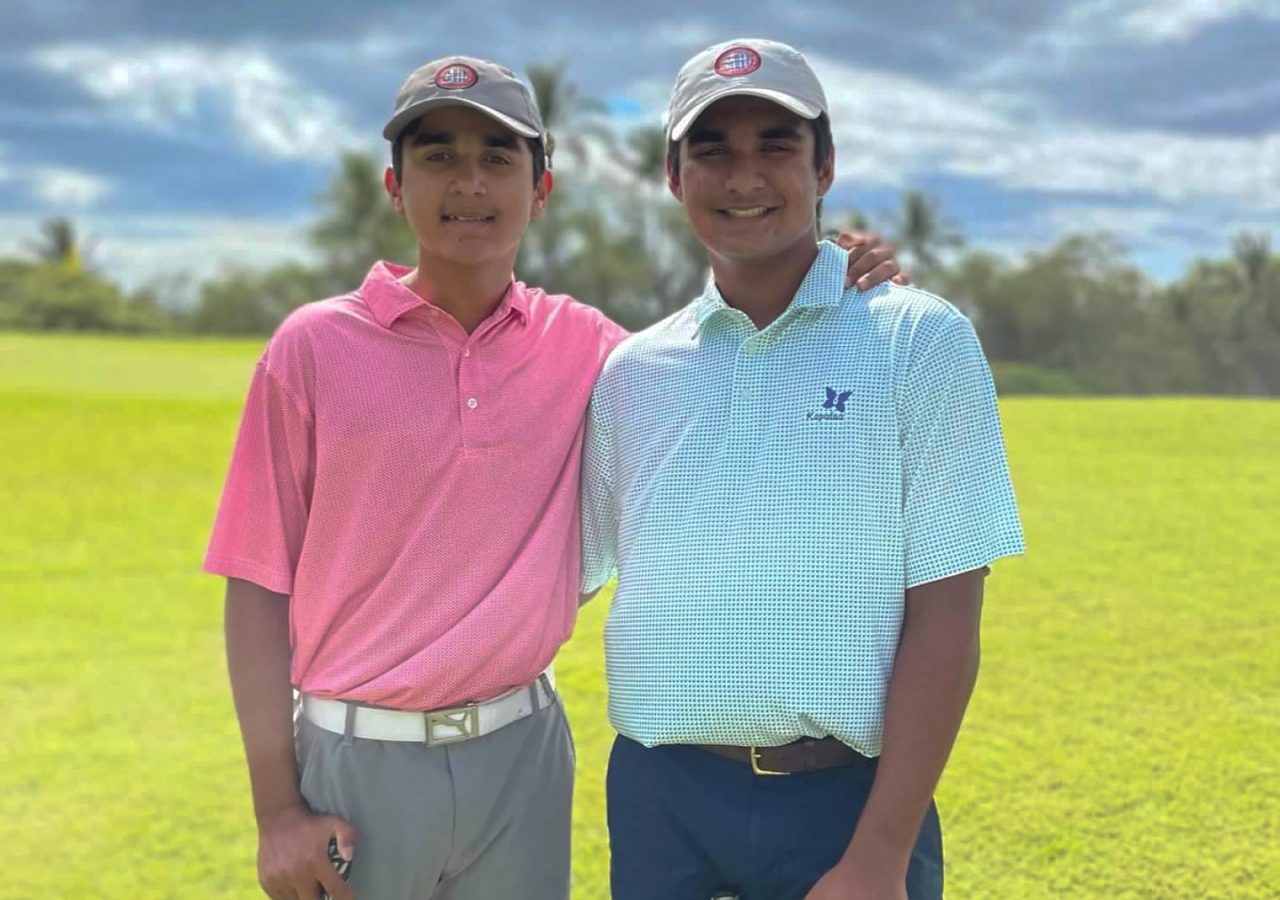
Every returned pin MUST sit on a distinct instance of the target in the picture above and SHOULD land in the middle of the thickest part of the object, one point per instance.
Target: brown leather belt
(804, 755)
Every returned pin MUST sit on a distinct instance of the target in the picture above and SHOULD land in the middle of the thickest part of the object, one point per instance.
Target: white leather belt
(436, 727)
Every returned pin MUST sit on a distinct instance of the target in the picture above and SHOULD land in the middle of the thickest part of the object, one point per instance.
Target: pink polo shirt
(414, 489)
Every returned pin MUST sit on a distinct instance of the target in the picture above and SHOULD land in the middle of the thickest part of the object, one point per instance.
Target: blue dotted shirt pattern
(766, 497)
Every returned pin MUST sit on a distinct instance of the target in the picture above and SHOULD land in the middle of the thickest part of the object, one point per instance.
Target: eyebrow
(443, 137)
(705, 136)
(781, 133)
(711, 136)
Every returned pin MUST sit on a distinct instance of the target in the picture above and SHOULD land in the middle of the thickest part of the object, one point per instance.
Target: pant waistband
(432, 727)
(804, 755)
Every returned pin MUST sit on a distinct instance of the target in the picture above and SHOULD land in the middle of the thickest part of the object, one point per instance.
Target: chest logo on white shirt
(832, 407)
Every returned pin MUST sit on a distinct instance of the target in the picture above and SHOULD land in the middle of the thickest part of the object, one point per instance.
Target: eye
(712, 151)
(438, 156)
(499, 160)
(777, 148)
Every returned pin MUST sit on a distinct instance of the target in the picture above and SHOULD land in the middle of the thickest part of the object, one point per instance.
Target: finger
(879, 275)
(332, 882)
(347, 837)
(847, 240)
(901, 278)
(864, 263)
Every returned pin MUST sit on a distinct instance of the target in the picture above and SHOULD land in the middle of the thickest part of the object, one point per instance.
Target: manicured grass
(1124, 741)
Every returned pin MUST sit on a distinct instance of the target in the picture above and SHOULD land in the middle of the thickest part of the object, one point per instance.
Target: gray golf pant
(482, 819)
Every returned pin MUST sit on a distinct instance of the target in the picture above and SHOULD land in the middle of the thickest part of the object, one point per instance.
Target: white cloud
(681, 35)
(1084, 30)
(1161, 21)
(137, 249)
(1230, 100)
(63, 188)
(167, 86)
(890, 127)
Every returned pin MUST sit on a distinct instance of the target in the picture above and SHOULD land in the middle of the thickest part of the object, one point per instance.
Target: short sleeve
(959, 508)
(262, 518)
(599, 507)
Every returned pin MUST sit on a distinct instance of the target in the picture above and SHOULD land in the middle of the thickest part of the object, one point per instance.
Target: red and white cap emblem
(457, 77)
(737, 61)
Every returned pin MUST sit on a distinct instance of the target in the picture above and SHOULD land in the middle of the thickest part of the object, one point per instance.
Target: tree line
(1078, 317)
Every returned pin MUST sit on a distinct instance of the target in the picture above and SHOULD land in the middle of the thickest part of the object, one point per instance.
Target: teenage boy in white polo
(800, 487)
(400, 531)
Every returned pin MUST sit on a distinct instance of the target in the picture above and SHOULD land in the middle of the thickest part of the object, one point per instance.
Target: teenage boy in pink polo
(400, 533)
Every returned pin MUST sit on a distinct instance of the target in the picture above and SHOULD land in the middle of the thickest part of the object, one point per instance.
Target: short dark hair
(822, 144)
(537, 149)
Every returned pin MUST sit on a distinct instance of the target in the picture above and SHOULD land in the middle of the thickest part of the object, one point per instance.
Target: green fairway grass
(1124, 740)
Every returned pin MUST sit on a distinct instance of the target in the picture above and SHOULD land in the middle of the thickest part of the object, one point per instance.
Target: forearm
(933, 678)
(258, 654)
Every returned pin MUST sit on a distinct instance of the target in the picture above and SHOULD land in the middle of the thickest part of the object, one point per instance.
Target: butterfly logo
(835, 400)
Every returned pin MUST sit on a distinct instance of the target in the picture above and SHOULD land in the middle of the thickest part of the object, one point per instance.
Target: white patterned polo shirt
(766, 497)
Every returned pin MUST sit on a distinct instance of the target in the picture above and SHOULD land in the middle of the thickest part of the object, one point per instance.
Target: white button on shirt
(765, 511)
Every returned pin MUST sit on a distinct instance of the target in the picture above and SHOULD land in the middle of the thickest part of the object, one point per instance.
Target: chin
(472, 252)
(748, 248)
(740, 250)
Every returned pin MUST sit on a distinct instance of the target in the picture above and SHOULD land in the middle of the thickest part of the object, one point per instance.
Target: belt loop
(545, 681)
(349, 730)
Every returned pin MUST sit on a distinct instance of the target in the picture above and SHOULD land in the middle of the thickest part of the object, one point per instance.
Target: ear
(673, 182)
(393, 190)
(827, 173)
(541, 195)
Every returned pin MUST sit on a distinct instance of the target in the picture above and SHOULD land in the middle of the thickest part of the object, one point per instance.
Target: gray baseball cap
(465, 81)
(757, 68)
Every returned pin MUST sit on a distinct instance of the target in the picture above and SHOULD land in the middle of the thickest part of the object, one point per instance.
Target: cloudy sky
(186, 135)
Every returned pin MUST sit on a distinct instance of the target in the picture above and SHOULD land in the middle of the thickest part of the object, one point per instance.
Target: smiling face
(466, 186)
(747, 179)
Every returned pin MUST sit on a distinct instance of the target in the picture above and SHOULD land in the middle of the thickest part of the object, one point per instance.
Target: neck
(469, 293)
(764, 288)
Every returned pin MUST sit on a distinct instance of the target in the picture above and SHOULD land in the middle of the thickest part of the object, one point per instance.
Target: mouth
(467, 219)
(746, 212)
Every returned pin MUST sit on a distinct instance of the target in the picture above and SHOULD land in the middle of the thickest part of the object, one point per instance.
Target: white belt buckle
(464, 723)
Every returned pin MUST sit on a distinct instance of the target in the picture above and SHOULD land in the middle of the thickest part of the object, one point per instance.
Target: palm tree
(565, 111)
(60, 243)
(359, 226)
(1252, 253)
(922, 232)
(573, 116)
(681, 268)
(649, 154)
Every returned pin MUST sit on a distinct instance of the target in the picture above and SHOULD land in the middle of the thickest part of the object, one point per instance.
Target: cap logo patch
(737, 61)
(457, 77)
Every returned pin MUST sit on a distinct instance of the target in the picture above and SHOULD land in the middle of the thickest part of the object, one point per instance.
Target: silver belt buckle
(464, 724)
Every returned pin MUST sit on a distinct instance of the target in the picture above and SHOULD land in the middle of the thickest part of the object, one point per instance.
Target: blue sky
(186, 137)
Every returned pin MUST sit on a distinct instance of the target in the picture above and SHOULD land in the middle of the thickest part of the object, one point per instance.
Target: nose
(468, 179)
(744, 177)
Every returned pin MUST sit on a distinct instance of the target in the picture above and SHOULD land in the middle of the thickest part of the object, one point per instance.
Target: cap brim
(799, 107)
(401, 119)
